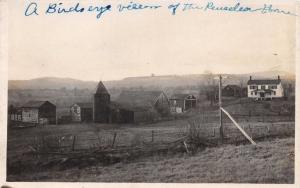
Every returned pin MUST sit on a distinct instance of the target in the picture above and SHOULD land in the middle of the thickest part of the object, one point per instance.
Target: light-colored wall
(75, 113)
(30, 115)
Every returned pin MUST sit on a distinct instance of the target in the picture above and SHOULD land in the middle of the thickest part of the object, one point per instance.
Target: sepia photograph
(150, 91)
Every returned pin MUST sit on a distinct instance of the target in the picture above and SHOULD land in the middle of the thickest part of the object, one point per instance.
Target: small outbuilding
(82, 112)
(182, 102)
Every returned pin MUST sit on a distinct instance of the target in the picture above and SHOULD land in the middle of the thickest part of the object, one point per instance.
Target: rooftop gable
(101, 89)
(36, 104)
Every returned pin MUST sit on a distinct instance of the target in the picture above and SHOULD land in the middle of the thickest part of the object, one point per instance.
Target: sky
(140, 43)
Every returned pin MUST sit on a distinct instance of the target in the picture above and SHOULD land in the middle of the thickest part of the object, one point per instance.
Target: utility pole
(56, 120)
(220, 106)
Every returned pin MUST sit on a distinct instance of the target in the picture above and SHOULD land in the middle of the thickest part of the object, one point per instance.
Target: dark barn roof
(36, 104)
(138, 99)
(85, 104)
(101, 89)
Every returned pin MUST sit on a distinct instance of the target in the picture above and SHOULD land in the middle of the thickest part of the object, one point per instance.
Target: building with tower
(101, 112)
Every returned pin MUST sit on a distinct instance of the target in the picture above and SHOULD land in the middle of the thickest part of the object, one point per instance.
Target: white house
(265, 89)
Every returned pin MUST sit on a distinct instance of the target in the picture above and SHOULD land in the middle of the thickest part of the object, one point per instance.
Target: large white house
(265, 89)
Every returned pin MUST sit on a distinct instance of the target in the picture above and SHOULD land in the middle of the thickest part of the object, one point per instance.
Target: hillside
(146, 81)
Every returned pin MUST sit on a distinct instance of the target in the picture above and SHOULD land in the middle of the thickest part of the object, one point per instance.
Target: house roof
(138, 98)
(35, 104)
(262, 82)
(85, 104)
(13, 109)
(101, 89)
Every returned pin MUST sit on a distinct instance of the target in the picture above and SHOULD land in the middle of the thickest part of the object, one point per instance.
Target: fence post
(115, 135)
(73, 144)
(152, 135)
(220, 108)
(250, 131)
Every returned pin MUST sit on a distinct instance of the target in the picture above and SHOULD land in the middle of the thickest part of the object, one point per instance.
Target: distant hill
(147, 81)
(50, 83)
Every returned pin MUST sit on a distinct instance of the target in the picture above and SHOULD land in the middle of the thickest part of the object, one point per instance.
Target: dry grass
(270, 162)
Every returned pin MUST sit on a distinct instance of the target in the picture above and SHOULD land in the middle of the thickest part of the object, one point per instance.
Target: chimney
(250, 77)
(278, 77)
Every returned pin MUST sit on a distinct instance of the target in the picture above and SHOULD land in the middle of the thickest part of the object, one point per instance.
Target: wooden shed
(182, 102)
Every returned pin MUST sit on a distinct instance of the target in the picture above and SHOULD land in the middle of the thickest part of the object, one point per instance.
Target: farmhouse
(39, 112)
(182, 102)
(265, 89)
(143, 106)
(82, 112)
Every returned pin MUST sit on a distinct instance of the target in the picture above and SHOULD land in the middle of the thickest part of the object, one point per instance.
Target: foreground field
(270, 162)
(49, 153)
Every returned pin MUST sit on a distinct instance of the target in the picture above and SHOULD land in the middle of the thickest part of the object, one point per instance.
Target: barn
(142, 106)
(182, 102)
(232, 91)
(39, 112)
(82, 112)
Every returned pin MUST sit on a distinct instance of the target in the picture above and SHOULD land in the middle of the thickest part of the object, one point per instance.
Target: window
(253, 87)
(251, 92)
(255, 93)
(273, 87)
(274, 92)
(263, 87)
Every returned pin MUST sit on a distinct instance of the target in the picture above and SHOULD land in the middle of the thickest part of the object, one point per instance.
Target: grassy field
(270, 162)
